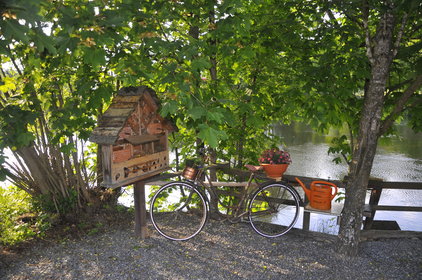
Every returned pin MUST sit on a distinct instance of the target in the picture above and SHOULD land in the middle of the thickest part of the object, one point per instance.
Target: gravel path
(221, 251)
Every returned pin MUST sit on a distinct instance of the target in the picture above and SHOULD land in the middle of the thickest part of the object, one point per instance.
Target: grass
(21, 221)
(17, 220)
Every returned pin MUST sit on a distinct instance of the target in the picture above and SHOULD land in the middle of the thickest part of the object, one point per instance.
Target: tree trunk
(380, 56)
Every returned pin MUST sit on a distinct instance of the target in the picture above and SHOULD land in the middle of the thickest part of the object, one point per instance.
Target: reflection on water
(312, 160)
(398, 158)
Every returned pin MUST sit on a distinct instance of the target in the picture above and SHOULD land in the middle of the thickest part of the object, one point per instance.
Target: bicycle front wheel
(178, 211)
(273, 209)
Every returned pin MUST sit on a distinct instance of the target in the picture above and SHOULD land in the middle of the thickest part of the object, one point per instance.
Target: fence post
(373, 200)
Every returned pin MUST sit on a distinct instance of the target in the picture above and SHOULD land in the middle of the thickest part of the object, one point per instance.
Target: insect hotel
(133, 138)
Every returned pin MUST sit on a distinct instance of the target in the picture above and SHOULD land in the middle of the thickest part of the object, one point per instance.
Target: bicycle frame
(246, 194)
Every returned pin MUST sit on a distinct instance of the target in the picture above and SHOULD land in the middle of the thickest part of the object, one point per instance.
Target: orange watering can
(320, 194)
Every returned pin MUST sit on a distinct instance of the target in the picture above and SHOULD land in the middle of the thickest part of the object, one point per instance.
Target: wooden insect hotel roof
(123, 110)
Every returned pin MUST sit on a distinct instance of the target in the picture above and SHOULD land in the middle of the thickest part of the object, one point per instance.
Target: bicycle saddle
(253, 168)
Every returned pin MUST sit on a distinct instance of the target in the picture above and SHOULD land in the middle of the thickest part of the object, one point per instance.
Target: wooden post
(306, 216)
(141, 229)
(373, 201)
(306, 220)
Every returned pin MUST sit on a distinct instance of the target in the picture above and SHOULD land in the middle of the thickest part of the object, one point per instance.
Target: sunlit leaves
(210, 135)
(14, 203)
(7, 84)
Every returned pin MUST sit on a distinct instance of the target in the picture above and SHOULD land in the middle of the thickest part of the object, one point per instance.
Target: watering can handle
(328, 183)
(299, 181)
(305, 189)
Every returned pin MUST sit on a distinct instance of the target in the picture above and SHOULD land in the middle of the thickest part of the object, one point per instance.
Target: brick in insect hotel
(133, 137)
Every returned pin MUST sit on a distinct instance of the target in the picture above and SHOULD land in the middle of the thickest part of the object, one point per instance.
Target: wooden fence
(375, 186)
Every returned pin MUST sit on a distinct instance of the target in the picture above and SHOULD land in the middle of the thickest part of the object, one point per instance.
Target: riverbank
(221, 251)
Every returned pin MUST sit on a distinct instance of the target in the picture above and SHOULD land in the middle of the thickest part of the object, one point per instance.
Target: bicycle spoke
(178, 211)
(273, 210)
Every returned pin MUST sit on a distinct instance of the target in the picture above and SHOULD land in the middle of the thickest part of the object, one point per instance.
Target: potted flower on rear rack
(275, 162)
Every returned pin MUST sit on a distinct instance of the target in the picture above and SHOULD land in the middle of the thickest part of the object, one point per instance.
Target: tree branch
(389, 121)
(365, 19)
(2, 101)
(353, 19)
(12, 58)
(399, 85)
(399, 35)
(3, 93)
(333, 18)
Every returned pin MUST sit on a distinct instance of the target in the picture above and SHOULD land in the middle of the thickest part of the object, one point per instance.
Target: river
(398, 158)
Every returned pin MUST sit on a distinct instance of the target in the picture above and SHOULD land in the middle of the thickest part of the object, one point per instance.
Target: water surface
(398, 158)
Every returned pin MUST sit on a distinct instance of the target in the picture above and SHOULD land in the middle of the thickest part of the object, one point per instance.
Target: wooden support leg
(141, 229)
(306, 216)
(373, 200)
(306, 220)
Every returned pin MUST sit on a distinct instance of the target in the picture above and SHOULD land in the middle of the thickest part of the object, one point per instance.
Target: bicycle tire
(178, 211)
(273, 209)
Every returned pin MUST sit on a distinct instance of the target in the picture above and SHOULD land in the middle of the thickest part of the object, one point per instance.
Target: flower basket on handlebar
(189, 173)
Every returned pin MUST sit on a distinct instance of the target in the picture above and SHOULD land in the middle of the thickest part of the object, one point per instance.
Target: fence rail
(376, 188)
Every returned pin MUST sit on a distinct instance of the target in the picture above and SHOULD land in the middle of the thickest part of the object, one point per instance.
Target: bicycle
(179, 210)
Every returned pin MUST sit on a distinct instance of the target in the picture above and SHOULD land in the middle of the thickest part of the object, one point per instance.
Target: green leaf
(197, 112)
(67, 43)
(209, 135)
(95, 57)
(67, 148)
(24, 139)
(169, 108)
(42, 41)
(7, 84)
(215, 116)
(12, 29)
(200, 64)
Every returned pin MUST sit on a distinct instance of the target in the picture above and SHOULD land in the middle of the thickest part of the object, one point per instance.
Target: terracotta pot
(275, 170)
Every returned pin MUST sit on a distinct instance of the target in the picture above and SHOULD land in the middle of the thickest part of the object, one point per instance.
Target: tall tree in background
(354, 63)
(388, 28)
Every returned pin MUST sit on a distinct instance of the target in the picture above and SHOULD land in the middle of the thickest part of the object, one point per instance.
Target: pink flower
(275, 156)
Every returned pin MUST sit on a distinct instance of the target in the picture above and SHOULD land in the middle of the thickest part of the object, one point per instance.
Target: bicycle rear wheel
(273, 209)
(178, 211)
